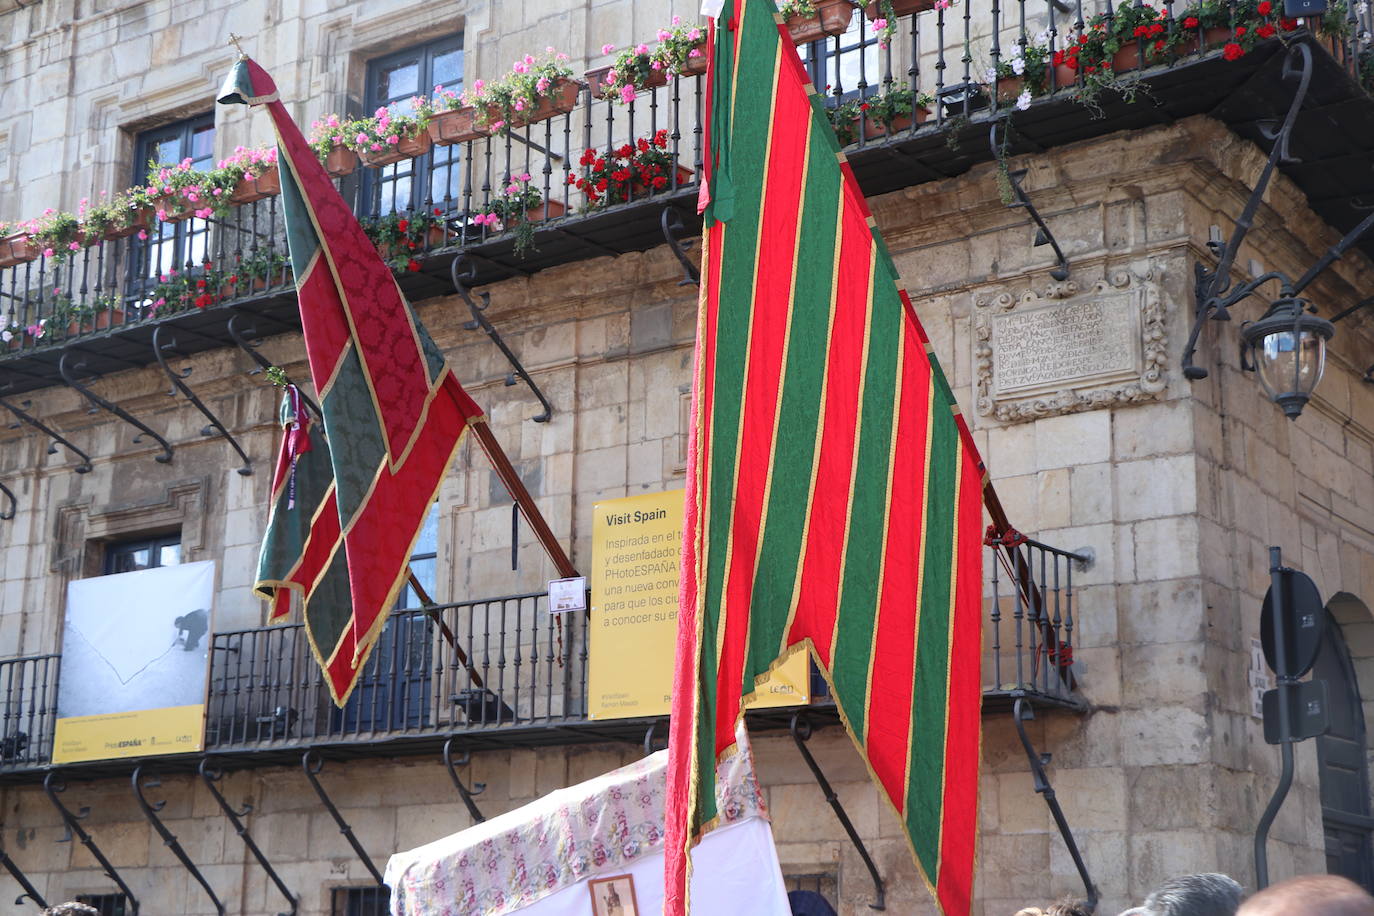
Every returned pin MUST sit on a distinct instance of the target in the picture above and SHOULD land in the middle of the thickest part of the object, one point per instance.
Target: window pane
(428, 542)
(130, 560)
(169, 555)
(448, 68)
(203, 143)
(401, 81)
(424, 571)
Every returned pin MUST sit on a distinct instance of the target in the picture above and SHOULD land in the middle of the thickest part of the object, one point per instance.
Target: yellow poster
(174, 730)
(636, 547)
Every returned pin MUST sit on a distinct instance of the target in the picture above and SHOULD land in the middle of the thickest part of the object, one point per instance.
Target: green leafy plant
(896, 103)
(844, 120)
(679, 44)
(112, 213)
(636, 169)
(517, 95)
(385, 129)
(510, 208)
(56, 233)
(398, 236)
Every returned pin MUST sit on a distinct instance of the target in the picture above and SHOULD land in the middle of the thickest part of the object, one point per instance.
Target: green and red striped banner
(348, 508)
(834, 497)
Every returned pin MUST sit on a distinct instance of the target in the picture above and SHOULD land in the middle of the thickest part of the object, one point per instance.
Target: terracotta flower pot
(100, 321)
(140, 220)
(458, 125)
(1127, 58)
(640, 189)
(1212, 37)
(341, 161)
(1063, 76)
(1009, 89)
(249, 189)
(549, 209)
(875, 10)
(408, 148)
(561, 99)
(176, 209)
(874, 130)
(15, 249)
(596, 79)
(695, 66)
(832, 18)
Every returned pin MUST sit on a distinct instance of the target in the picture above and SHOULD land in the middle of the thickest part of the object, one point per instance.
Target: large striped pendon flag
(834, 498)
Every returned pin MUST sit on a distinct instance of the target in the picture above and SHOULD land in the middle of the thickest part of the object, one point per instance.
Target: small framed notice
(614, 896)
(568, 595)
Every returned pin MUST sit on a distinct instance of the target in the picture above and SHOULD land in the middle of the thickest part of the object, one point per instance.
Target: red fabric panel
(959, 828)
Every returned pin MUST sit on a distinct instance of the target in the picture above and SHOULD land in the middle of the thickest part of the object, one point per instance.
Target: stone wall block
(1172, 734)
(1073, 439)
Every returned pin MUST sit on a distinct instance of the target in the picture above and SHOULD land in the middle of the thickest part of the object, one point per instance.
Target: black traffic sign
(1304, 620)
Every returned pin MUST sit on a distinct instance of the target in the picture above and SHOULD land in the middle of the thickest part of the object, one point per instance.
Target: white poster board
(135, 663)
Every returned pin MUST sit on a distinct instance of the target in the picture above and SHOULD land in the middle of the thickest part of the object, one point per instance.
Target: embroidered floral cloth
(513, 860)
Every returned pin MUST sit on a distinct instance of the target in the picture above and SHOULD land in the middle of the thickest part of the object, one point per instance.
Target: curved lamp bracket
(1043, 235)
(24, 416)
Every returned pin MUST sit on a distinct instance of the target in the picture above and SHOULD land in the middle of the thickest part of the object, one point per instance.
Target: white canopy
(596, 849)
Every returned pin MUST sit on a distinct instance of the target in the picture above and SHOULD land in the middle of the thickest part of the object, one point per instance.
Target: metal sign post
(1291, 628)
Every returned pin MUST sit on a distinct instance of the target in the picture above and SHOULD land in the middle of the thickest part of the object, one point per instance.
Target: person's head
(1311, 895)
(1054, 909)
(1192, 895)
(71, 909)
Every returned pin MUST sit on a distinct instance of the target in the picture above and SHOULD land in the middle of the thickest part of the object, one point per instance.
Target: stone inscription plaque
(1041, 349)
(1069, 348)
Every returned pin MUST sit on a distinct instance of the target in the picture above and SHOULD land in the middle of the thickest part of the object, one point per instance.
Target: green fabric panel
(754, 110)
(358, 454)
(864, 547)
(925, 791)
(285, 537)
(301, 241)
(434, 357)
(721, 183)
(799, 413)
(330, 611)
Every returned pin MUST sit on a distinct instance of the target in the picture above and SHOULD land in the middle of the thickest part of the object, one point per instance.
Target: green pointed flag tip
(238, 85)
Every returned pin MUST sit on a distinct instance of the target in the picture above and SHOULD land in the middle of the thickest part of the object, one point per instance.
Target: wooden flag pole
(438, 619)
(506, 471)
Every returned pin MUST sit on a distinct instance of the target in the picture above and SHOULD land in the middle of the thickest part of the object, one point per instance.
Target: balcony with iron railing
(513, 675)
(102, 303)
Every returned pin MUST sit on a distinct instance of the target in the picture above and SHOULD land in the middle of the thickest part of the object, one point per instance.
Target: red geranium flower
(1232, 51)
(1287, 24)
(1241, 30)
(203, 300)
(438, 212)
(1265, 8)
(413, 265)
(402, 225)
(1266, 31)
(1190, 23)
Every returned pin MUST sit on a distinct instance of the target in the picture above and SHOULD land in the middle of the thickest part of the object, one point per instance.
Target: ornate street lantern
(1287, 348)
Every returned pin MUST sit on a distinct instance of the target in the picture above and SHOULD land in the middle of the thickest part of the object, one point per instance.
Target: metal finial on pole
(234, 40)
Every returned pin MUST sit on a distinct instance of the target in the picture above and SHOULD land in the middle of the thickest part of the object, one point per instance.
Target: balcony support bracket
(178, 384)
(248, 341)
(313, 764)
(150, 810)
(73, 824)
(68, 376)
(672, 224)
(1021, 711)
(801, 733)
(463, 791)
(212, 775)
(24, 416)
(1019, 198)
(9, 512)
(17, 873)
(462, 273)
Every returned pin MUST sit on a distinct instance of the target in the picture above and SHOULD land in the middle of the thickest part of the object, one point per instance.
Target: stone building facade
(1174, 488)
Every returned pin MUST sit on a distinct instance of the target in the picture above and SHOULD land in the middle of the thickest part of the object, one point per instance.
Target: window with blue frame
(182, 245)
(431, 180)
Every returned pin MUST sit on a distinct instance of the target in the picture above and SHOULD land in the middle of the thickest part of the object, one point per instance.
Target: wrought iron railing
(944, 52)
(511, 663)
(28, 691)
(1030, 622)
